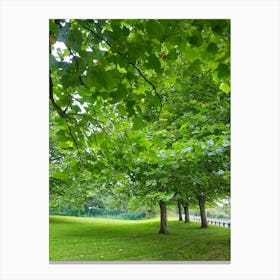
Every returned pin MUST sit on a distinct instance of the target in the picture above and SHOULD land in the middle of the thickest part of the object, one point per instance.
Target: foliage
(67, 210)
(70, 210)
(222, 212)
(139, 110)
(119, 214)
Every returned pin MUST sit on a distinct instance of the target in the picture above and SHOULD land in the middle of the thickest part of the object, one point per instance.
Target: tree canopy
(139, 107)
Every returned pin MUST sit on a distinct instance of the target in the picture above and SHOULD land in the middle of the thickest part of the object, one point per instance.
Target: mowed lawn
(98, 239)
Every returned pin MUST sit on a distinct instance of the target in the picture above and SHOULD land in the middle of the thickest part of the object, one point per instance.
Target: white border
(24, 138)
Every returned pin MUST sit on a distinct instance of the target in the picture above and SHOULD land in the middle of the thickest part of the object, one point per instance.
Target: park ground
(99, 239)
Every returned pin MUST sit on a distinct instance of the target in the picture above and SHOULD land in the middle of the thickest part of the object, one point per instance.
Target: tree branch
(57, 107)
(64, 116)
(151, 84)
(96, 35)
(75, 143)
(130, 63)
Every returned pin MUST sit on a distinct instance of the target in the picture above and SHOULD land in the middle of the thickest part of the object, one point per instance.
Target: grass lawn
(98, 239)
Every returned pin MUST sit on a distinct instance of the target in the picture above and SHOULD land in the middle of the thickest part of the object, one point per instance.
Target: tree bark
(163, 218)
(201, 201)
(186, 212)
(180, 210)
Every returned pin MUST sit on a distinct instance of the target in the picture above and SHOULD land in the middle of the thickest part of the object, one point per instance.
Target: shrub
(67, 210)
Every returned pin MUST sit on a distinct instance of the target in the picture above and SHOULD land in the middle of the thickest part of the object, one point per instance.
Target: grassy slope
(97, 239)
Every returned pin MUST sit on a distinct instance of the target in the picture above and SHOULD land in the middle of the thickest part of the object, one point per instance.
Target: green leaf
(190, 53)
(119, 94)
(213, 64)
(92, 140)
(153, 99)
(76, 108)
(153, 62)
(220, 25)
(154, 29)
(130, 107)
(212, 48)
(121, 109)
(58, 175)
(223, 71)
(138, 123)
(96, 76)
(158, 143)
(54, 28)
(195, 66)
(196, 39)
(116, 28)
(61, 136)
(172, 55)
(225, 87)
(70, 79)
(75, 39)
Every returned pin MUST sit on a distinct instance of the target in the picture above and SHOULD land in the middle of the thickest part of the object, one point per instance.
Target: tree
(179, 210)
(132, 102)
(153, 184)
(186, 211)
(125, 63)
(210, 174)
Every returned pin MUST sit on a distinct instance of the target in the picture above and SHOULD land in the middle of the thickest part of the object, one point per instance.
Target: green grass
(98, 239)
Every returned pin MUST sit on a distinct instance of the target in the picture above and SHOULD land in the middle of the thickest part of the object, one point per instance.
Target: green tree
(132, 105)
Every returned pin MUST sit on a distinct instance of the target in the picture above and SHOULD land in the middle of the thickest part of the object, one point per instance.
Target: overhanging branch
(151, 84)
(64, 116)
(130, 63)
(57, 107)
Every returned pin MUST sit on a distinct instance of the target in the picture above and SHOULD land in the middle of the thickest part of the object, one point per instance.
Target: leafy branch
(63, 115)
(61, 112)
(130, 63)
(151, 84)
(96, 35)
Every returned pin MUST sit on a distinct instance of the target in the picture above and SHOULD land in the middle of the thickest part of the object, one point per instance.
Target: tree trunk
(180, 211)
(163, 218)
(186, 212)
(201, 201)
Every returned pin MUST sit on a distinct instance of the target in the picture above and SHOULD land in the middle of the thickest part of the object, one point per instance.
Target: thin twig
(151, 84)
(75, 142)
(57, 107)
(96, 35)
